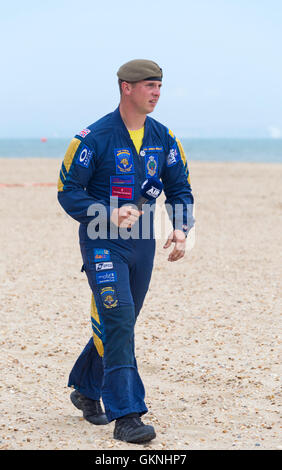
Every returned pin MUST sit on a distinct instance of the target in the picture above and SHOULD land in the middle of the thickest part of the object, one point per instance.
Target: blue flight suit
(101, 165)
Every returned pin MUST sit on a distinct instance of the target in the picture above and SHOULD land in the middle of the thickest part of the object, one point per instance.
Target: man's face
(144, 95)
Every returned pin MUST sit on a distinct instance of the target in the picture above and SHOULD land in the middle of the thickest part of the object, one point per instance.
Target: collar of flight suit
(117, 120)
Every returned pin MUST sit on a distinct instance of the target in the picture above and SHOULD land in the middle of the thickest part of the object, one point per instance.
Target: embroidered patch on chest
(151, 165)
(122, 179)
(124, 161)
(122, 192)
(150, 149)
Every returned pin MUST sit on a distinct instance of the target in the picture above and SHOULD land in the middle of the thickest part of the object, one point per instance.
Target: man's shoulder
(102, 125)
(156, 124)
(97, 132)
(162, 129)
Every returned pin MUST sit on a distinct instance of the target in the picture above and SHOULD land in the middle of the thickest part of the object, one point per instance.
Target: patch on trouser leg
(97, 328)
(109, 297)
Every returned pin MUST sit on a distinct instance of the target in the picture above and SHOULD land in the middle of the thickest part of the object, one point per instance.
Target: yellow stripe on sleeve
(183, 158)
(97, 341)
(70, 153)
(60, 185)
(171, 133)
(63, 172)
(68, 159)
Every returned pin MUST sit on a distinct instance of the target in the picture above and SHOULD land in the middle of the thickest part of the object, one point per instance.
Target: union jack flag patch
(84, 133)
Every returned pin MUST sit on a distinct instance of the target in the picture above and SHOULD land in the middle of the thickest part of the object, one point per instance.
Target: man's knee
(119, 336)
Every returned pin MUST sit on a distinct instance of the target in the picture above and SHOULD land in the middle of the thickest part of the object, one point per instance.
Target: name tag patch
(84, 157)
(110, 276)
(150, 149)
(124, 161)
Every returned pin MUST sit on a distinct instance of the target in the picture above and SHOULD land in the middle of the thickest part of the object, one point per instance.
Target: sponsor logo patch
(84, 132)
(84, 157)
(110, 276)
(124, 161)
(109, 297)
(103, 266)
(100, 254)
(151, 165)
(122, 192)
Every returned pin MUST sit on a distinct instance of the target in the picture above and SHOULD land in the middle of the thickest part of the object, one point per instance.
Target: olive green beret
(140, 69)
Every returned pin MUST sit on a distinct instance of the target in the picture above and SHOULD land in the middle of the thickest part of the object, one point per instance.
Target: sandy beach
(207, 339)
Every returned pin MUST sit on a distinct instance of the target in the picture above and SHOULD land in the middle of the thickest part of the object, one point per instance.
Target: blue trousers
(119, 274)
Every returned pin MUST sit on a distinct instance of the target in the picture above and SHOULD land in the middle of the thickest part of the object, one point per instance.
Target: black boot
(130, 428)
(92, 410)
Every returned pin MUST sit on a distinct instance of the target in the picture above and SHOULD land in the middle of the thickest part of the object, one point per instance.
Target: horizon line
(181, 137)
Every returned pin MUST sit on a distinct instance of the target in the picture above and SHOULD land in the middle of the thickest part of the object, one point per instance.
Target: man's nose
(157, 92)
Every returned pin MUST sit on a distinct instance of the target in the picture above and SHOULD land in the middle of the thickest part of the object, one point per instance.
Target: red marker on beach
(43, 139)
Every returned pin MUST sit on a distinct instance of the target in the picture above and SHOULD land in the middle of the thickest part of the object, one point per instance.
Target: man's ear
(126, 88)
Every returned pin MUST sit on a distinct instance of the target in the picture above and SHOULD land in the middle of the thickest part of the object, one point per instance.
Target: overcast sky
(222, 64)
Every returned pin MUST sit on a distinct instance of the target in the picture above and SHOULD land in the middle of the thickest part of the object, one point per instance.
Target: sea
(209, 150)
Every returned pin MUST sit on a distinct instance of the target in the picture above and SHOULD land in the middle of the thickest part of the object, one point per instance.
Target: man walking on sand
(109, 160)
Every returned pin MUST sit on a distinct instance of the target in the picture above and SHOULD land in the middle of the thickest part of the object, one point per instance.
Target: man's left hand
(177, 237)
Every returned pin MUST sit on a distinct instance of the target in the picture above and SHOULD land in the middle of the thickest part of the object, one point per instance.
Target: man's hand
(125, 216)
(177, 237)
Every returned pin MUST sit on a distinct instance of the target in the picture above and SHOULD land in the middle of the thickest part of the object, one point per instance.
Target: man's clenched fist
(125, 216)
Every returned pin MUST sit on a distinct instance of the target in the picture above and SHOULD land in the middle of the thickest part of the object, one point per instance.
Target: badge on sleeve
(173, 156)
(84, 133)
(84, 157)
(124, 161)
